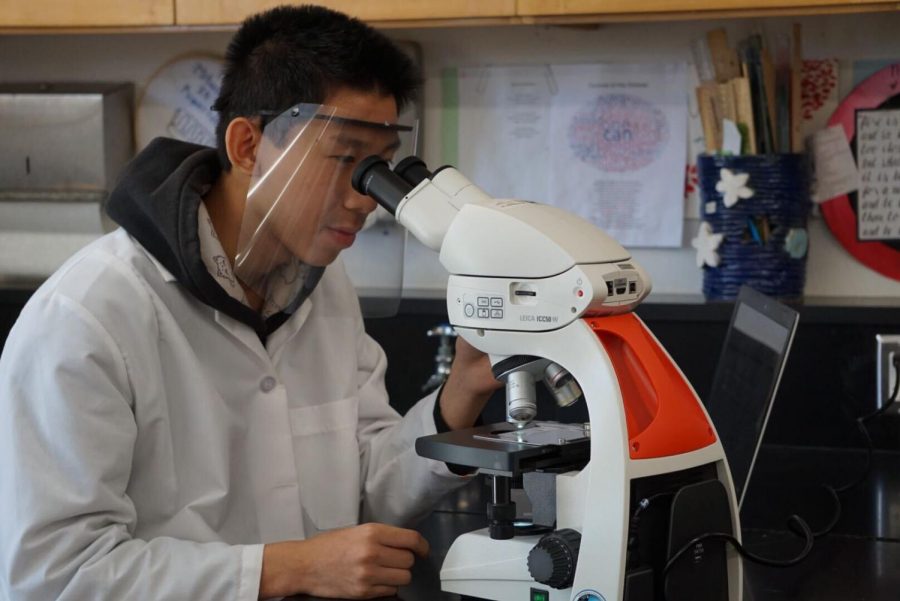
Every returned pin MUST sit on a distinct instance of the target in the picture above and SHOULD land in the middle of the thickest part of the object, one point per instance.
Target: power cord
(795, 523)
(861, 422)
(633, 526)
(772, 563)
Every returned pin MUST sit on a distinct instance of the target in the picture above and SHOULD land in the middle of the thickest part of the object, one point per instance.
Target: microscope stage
(504, 449)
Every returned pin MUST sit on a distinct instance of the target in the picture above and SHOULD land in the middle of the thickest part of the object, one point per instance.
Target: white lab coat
(150, 444)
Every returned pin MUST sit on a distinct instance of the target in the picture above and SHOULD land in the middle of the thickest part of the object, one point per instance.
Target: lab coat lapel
(279, 338)
(244, 334)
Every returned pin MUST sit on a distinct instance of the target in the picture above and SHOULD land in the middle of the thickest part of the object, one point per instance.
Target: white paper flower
(733, 187)
(706, 244)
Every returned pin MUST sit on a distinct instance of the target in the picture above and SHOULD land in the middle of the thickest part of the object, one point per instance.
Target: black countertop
(858, 561)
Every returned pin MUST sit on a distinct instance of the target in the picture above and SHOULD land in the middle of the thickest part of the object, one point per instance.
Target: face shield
(302, 211)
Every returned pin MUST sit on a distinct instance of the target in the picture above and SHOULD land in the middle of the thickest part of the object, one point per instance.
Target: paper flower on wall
(733, 187)
(796, 243)
(706, 244)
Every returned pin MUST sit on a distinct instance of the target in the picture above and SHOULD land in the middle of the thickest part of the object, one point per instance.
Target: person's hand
(362, 562)
(469, 386)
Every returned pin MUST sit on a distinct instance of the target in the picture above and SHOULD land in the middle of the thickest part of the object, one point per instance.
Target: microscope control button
(496, 301)
(483, 301)
(496, 313)
(483, 312)
(469, 309)
(539, 594)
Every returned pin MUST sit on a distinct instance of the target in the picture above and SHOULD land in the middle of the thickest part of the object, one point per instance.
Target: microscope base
(480, 566)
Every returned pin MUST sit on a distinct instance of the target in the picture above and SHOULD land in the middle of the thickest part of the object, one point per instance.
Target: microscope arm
(514, 265)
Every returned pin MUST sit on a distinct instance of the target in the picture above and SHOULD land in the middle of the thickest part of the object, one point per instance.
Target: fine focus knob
(553, 559)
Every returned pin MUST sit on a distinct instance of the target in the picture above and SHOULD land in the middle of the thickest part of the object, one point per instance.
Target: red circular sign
(881, 90)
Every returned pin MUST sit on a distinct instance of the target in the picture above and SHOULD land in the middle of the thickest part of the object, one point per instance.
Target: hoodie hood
(156, 201)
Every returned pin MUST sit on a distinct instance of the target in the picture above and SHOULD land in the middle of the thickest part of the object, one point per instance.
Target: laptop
(747, 377)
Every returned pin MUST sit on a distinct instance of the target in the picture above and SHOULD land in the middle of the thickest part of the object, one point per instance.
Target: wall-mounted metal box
(63, 142)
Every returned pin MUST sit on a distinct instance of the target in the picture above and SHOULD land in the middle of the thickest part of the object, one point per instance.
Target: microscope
(619, 503)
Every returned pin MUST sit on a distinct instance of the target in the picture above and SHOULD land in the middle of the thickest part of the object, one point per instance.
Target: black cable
(870, 451)
(795, 523)
(835, 516)
(892, 398)
(870, 448)
(633, 525)
(773, 563)
(794, 520)
(728, 538)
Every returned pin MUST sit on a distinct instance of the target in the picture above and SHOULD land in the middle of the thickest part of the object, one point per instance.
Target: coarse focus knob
(553, 559)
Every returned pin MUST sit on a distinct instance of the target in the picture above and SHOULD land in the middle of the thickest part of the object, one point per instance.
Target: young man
(190, 407)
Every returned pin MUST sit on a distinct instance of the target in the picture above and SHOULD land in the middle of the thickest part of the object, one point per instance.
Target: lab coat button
(267, 384)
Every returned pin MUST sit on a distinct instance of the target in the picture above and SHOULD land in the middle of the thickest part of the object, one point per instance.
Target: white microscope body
(531, 279)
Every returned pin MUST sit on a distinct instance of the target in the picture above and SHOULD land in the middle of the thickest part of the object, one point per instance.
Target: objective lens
(521, 403)
(561, 384)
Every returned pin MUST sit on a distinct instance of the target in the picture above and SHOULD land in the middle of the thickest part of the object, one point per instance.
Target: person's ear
(241, 142)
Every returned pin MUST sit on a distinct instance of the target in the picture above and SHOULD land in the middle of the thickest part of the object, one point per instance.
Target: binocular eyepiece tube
(413, 170)
(373, 177)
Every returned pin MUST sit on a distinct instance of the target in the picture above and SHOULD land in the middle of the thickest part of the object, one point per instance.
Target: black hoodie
(156, 201)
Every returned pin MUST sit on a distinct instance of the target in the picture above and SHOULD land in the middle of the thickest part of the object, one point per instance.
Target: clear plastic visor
(302, 212)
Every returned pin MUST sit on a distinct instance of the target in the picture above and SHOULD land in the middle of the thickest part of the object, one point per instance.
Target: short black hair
(299, 54)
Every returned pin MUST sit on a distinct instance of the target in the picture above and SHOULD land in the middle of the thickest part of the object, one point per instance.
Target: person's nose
(360, 203)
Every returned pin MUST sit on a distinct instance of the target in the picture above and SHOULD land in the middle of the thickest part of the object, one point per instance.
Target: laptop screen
(747, 377)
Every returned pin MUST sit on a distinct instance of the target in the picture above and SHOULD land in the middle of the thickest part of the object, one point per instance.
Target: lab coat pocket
(326, 452)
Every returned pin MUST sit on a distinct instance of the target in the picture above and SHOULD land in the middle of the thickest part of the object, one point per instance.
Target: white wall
(831, 270)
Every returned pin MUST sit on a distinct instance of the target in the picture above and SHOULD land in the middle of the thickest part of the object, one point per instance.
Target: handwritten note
(835, 169)
(878, 160)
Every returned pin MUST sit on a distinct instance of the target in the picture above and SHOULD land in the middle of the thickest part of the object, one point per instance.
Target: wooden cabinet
(546, 8)
(86, 13)
(67, 15)
(219, 12)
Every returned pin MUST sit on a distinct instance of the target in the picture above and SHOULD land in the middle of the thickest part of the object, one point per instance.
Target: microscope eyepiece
(373, 177)
(413, 170)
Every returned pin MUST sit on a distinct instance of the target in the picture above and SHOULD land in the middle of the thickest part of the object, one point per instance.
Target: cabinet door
(215, 12)
(86, 13)
(598, 7)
